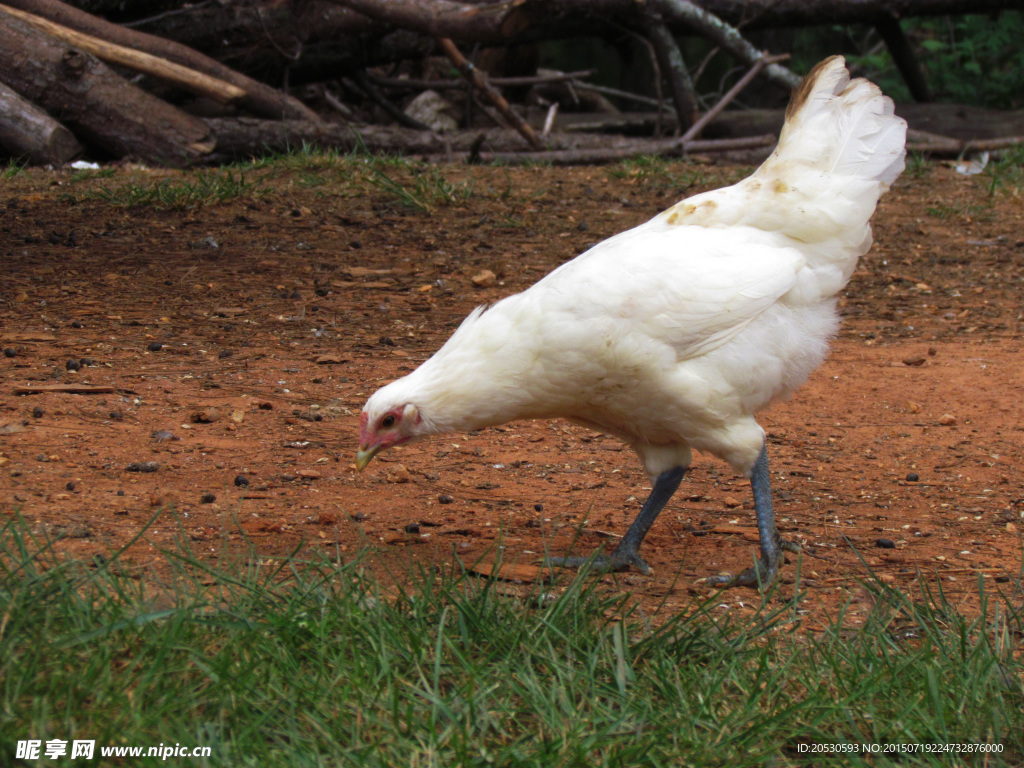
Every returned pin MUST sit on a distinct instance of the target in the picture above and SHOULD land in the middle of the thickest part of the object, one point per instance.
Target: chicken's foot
(627, 553)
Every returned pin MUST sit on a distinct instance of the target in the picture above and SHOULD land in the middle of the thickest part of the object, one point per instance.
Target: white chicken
(674, 334)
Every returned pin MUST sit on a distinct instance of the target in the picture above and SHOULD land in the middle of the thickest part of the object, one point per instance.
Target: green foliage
(972, 59)
(300, 661)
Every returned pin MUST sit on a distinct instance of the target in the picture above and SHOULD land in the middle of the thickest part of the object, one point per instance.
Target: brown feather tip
(803, 91)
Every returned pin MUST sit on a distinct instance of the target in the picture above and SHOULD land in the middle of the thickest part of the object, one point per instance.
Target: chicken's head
(383, 425)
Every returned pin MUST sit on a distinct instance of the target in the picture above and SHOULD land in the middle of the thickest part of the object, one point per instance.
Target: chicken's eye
(388, 421)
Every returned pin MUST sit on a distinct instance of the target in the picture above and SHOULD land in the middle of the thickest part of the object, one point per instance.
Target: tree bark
(101, 107)
(27, 131)
(258, 98)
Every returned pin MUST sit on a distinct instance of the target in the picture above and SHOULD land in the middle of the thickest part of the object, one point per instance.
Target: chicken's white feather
(672, 335)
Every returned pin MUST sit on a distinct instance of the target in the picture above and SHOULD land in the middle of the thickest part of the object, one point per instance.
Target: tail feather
(841, 148)
(842, 127)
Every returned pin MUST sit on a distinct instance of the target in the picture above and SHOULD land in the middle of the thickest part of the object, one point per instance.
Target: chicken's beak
(364, 455)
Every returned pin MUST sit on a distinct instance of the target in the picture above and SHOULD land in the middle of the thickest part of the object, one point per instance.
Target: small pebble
(912, 477)
(72, 365)
(116, 416)
(76, 324)
(37, 412)
(10, 352)
(205, 416)
(538, 507)
(885, 544)
(359, 517)
(207, 498)
(225, 353)
(143, 466)
(155, 346)
(444, 498)
(120, 493)
(85, 361)
(70, 486)
(163, 435)
(241, 481)
(412, 528)
(485, 278)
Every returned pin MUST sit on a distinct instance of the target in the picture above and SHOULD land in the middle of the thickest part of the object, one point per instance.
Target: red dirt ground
(282, 309)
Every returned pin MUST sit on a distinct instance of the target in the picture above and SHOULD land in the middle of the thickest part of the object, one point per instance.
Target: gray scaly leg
(627, 553)
(763, 573)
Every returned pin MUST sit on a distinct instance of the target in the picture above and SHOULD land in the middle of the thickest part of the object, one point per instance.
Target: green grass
(673, 175)
(413, 185)
(305, 662)
(16, 166)
(917, 166)
(1006, 171)
(419, 187)
(961, 210)
(195, 191)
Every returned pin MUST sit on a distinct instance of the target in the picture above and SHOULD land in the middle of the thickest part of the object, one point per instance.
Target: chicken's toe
(601, 563)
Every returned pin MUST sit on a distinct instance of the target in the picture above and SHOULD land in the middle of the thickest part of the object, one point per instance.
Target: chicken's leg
(763, 573)
(627, 553)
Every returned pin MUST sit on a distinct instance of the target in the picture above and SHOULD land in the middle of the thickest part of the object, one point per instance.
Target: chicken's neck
(489, 373)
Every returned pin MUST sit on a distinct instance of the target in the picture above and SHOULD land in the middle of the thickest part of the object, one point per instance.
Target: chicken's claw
(602, 563)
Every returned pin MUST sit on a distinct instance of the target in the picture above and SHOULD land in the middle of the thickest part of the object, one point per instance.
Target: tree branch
(732, 93)
(472, 74)
(670, 61)
(727, 36)
(482, 22)
(903, 55)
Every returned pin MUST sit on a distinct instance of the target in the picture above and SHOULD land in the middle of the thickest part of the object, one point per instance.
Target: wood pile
(184, 84)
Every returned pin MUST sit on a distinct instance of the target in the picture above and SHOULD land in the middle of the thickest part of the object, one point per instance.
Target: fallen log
(183, 77)
(630, 148)
(257, 97)
(27, 131)
(236, 137)
(101, 107)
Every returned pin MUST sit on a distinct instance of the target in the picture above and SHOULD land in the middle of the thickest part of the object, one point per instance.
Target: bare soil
(234, 343)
